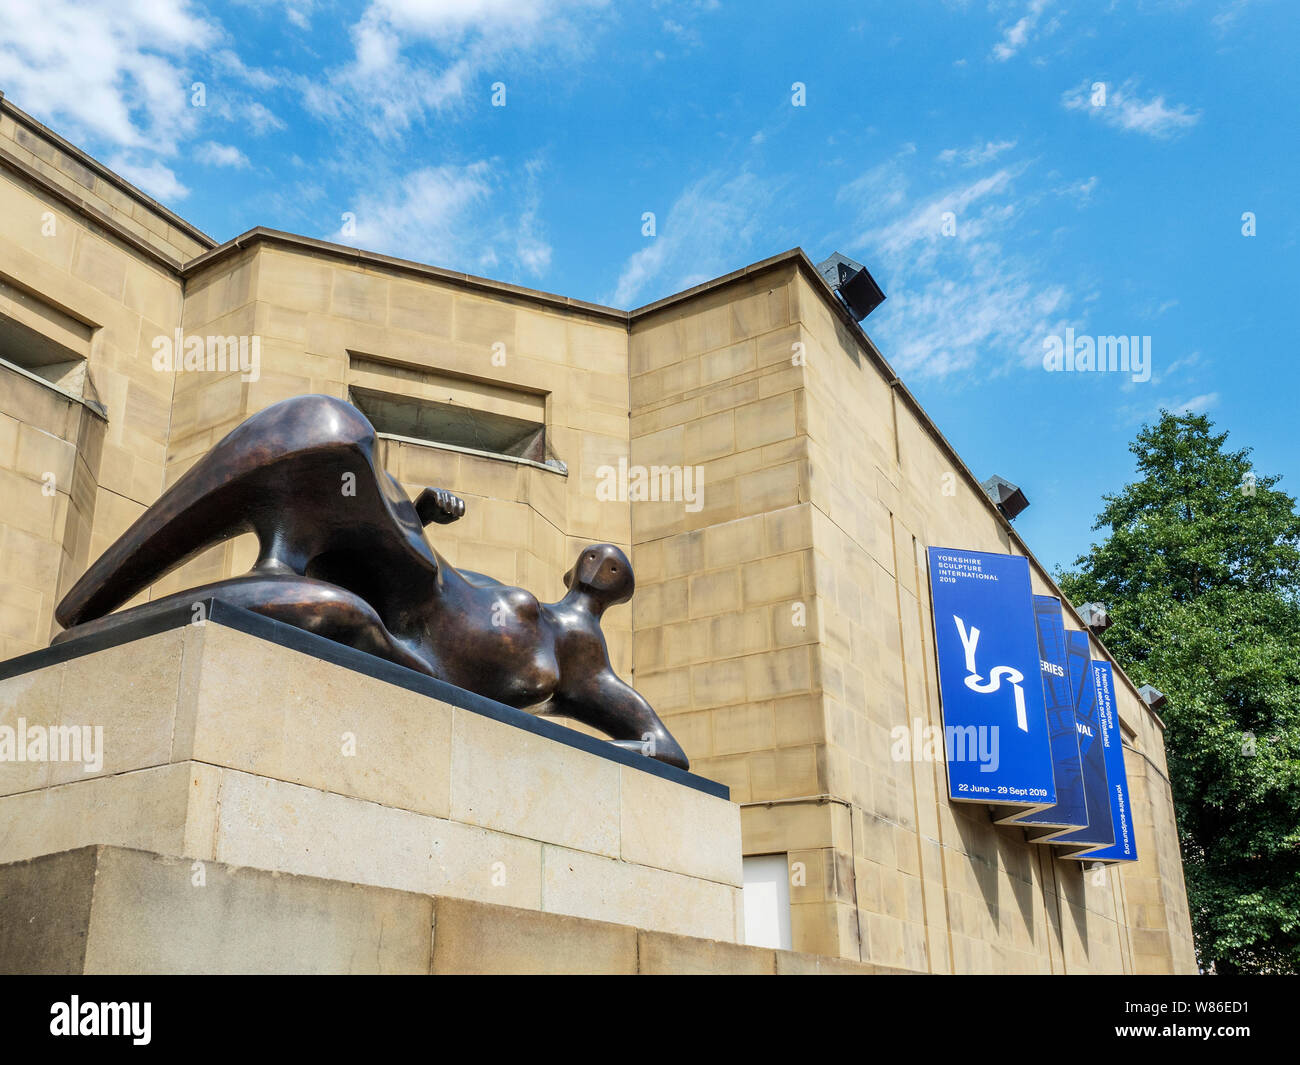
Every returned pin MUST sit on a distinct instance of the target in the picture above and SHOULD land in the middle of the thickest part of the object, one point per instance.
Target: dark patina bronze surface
(343, 554)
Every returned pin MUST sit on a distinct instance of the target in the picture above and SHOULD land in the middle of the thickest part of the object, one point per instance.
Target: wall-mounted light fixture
(1006, 496)
(853, 284)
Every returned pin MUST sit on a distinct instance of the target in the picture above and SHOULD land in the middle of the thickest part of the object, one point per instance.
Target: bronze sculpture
(342, 553)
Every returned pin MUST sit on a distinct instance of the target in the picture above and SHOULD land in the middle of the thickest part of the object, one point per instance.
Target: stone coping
(219, 612)
(99, 169)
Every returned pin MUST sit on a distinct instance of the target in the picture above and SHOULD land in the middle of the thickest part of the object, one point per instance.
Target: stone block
(530, 786)
(45, 913)
(474, 938)
(603, 889)
(668, 955)
(664, 827)
(157, 914)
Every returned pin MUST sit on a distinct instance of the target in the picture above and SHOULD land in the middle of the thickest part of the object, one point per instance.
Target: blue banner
(1092, 750)
(1124, 848)
(1071, 809)
(994, 721)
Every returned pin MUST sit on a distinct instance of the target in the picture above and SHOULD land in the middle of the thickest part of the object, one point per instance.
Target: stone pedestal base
(250, 743)
(108, 910)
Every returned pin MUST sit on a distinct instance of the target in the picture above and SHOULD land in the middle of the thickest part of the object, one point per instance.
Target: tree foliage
(1200, 572)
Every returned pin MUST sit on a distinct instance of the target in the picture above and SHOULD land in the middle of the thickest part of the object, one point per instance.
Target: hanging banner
(1124, 849)
(994, 721)
(1092, 752)
(1071, 810)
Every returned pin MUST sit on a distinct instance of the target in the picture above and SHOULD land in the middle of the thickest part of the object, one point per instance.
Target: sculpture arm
(603, 700)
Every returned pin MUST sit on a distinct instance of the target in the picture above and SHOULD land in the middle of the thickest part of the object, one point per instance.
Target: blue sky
(373, 124)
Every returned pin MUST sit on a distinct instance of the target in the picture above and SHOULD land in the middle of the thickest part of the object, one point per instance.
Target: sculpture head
(604, 573)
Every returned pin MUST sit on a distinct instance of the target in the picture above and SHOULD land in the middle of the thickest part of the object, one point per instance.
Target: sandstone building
(781, 622)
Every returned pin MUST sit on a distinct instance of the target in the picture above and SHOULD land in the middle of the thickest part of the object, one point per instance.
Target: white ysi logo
(976, 683)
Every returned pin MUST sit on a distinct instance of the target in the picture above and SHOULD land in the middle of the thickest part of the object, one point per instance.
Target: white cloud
(1079, 191)
(1126, 110)
(115, 72)
(449, 216)
(706, 232)
(957, 302)
(156, 179)
(259, 119)
(1195, 405)
(423, 216)
(210, 153)
(258, 79)
(252, 115)
(119, 77)
(1016, 35)
(298, 12)
(920, 230)
(389, 90)
(532, 251)
(1229, 15)
(689, 37)
(977, 155)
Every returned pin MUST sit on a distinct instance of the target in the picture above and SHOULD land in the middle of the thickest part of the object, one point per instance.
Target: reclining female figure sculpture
(342, 553)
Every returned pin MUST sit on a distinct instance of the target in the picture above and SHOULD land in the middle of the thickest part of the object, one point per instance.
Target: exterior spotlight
(1008, 497)
(1096, 617)
(854, 285)
(1152, 696)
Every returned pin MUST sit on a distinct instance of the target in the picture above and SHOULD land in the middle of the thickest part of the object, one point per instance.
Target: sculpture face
(604, 572)
(360, 571)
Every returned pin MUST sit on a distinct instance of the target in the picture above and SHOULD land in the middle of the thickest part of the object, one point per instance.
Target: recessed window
(446, 410)
(43, 340)
(446, 423)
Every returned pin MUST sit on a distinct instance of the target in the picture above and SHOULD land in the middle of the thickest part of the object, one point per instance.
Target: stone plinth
(246, 742)
(111, 910)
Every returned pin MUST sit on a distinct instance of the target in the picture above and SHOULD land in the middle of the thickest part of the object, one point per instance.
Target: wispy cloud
(1125, 109)
(1229, 15)
(229, 62)
(1079, 191)
(412, 58)
(1016, 35)
(687, 35)
(259, 118)
(976, 155)
(452, 216)
(709, 229)
(532, 250)
(210, 153)
(298, 12)
(959, 299)
(155, 178)
(1194, 405)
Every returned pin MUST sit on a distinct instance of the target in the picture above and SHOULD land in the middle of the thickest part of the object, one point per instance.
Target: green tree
(1200, 573)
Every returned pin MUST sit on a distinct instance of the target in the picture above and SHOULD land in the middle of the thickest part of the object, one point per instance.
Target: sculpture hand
(438, 506)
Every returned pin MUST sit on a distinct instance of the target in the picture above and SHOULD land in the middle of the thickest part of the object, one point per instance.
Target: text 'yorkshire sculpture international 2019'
(343, 554)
